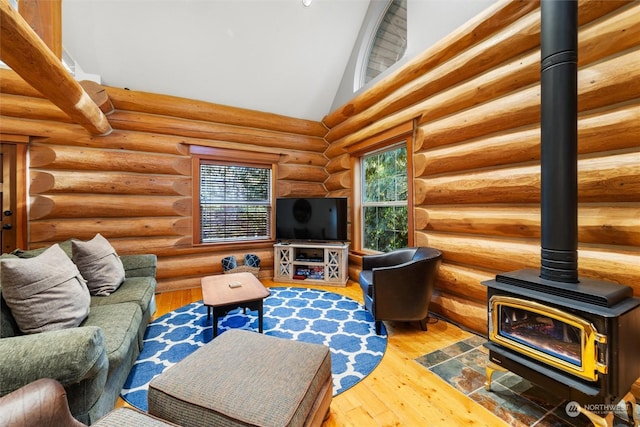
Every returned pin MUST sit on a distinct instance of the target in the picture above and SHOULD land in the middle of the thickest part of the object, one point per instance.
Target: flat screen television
(311, 218)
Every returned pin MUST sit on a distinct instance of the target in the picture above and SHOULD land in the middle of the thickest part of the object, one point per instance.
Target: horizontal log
(302, 173)
(498, 221)
(513, 40)
(303, 158)
(517, 147)
(616, 33)
(604, 225)
(509, 185)
(300, 189)
(463, 282)
(610, 82)
(32, 109)
(345, 192)
(339, 163)
(209, 263)
(101, 182)
(11, 82)
(607, 225)
(144, 122)
(482, 26)
(614, 178)
(84, 159)
(338, 181)
(603, 84)
(617, 266)
(167, 105)
(614, 129)
(76, 136)
(606, 179)
(514, 254)
(133, 246)
(177, 283)
(57, 230)
(107, 206)
(25, 52)
(469, 314)
(483, 252)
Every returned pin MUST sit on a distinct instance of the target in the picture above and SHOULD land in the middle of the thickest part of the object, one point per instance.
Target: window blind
(235, 202)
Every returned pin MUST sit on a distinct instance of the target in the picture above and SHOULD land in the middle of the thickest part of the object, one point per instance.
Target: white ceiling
(276, 56)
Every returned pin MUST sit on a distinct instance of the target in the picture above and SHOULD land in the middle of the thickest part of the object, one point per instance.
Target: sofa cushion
(45, 293)
(99, 264)
(139, 290)
(119, 324)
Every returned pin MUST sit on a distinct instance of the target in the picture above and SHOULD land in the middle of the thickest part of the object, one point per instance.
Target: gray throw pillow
(99, 264)
(44, 293)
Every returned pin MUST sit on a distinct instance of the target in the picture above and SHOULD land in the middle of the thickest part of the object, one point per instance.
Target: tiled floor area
(513, 399)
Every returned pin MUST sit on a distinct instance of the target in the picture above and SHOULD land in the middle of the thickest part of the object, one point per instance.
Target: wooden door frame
(14, 191)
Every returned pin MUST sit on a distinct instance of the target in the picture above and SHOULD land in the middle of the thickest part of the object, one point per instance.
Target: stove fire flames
(578, 338)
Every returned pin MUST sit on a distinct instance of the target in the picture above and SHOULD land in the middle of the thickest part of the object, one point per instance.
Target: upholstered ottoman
(244, 378)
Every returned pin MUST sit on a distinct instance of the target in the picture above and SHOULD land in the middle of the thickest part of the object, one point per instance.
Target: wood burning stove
(576, 337)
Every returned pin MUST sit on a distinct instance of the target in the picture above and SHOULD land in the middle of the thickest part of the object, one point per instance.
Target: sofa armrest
(40, 403)
(143, 265)
(67, 355)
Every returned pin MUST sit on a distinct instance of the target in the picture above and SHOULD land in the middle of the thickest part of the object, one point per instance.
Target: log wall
(134, 186)
(476, 100)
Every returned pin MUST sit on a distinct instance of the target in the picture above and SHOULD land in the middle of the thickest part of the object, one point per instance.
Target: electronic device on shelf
(311, 219)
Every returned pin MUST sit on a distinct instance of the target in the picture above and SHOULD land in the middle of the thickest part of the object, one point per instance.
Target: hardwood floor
(400, 391)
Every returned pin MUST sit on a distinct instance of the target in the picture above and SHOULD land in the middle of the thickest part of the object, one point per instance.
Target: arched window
(387, 43)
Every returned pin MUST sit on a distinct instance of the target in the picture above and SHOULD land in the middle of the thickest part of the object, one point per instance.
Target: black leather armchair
(398, 285)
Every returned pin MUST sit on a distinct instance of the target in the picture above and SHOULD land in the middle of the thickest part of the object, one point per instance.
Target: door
(12, 195)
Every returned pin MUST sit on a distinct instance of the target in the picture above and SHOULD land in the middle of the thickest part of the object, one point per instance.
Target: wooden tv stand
(314, 263)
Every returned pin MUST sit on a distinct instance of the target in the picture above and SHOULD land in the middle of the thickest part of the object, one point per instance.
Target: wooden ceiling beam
(25, 52)
(45, 17)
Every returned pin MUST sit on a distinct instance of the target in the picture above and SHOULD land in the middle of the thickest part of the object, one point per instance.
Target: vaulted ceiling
(277, 56)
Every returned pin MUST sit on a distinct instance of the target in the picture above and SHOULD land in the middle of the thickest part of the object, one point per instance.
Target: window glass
(390, 41)
(384, 199)
(235, 202)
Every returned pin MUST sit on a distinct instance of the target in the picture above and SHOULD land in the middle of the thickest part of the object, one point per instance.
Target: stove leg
(490, 369)
(630, 402)
(597, 420)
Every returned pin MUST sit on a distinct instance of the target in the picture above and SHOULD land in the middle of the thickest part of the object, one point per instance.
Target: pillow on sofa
(99, 264)
(44, 293)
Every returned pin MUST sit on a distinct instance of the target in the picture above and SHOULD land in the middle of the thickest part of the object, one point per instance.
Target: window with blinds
(235, 202)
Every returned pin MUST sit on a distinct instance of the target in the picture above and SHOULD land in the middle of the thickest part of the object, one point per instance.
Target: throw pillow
(44, 293)
(99, 264)
(229, 263)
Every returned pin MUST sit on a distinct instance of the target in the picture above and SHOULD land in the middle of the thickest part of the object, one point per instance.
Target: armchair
(43, 403)
(398, 285)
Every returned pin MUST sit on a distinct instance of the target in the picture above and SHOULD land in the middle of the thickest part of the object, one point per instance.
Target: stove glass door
(547, 334)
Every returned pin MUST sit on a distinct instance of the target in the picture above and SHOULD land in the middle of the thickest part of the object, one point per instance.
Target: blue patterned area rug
(302, 314)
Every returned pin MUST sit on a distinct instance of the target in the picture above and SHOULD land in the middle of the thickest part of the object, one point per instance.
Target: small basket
(244, 269)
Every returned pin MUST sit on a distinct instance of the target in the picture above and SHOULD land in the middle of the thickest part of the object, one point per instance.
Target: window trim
(230, 157)
(396, 135)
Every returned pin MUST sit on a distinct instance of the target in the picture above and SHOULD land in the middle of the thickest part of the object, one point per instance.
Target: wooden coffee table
(225, 292)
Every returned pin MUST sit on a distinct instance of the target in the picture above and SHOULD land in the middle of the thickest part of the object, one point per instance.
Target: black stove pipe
(559, 140)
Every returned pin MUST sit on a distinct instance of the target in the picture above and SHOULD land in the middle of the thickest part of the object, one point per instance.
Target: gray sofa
(91, 361)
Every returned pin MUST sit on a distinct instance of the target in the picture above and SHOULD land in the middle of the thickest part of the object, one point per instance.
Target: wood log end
(41, 207)
(41, 182)
(41, 156)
